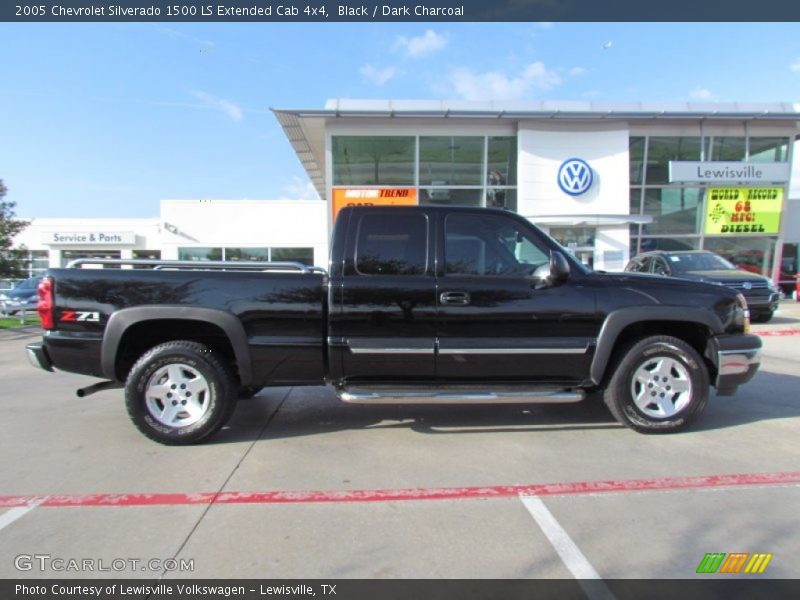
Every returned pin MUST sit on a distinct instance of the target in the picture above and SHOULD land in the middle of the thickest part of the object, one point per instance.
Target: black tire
(661, 408)
(762, 317)
(200, 366)
(248, 391)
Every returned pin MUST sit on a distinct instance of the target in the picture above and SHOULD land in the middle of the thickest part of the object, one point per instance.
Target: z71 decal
(75, 316)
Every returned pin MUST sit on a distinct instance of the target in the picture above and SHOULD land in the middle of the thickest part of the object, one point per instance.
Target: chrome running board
(457, 395)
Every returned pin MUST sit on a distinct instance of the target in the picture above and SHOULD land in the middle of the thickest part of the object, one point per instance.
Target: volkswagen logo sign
(575, 176)
(747, 285)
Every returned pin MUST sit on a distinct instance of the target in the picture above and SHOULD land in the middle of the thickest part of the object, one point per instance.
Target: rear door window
(392, 244)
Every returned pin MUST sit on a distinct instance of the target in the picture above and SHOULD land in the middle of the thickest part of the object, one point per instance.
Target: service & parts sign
(743, 210)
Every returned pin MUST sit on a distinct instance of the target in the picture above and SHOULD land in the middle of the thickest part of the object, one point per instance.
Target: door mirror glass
(553, 273)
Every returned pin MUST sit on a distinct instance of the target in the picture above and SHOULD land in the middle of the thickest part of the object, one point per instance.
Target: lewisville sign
(727, 172)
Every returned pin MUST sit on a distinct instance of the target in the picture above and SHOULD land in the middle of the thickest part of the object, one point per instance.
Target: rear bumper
(737, 358)
(37, 355)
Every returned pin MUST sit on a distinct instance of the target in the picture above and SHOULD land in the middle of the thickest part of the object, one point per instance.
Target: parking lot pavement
(327, 477)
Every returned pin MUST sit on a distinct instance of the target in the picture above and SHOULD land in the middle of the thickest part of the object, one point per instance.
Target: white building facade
(637, 161)
(278, 230)
(606, 180)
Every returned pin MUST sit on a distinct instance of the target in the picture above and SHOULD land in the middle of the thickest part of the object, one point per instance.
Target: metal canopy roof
(305, 128)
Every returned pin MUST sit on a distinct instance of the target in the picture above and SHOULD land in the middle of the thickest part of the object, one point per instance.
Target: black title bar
(398, 589)
(393, 10)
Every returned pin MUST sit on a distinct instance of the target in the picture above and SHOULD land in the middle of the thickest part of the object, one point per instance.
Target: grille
(754, 285)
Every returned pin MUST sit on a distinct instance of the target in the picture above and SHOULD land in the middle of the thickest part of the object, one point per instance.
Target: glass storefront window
(670, 243)
(573, 236)
(451, 197)
(502, 198)
(373, 160)
(145, 255)
(502, 161)
(38, 261)
(769, 149)
(453, 160)
(636, 153)
(754, 254)
(199, 253)
(636, 201)
(728, 149)
(661, 150)
(70, 255)
(247, 254)
(674, 210)
(789, 267)
(301, 255)
(451, 170)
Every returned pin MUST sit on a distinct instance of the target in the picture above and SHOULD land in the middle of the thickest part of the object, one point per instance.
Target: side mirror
(559, 267)
(553, 273)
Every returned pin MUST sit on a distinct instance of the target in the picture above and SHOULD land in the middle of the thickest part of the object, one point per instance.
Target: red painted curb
(778, 332)
(461, 493)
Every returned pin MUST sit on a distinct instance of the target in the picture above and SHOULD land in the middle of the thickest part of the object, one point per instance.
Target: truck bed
(282, 315)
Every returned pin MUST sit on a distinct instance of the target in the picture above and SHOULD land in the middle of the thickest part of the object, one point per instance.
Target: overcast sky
(104, 120)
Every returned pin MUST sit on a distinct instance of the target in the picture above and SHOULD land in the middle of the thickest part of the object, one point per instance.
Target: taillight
(46, 307)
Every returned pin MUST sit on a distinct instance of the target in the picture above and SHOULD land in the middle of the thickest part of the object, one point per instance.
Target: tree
(10, 265)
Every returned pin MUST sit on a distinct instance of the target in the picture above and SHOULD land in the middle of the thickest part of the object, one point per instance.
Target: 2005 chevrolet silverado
(419, 305)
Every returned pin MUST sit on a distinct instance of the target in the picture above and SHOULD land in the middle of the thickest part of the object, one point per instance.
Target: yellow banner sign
(372, 197)
(743, 210)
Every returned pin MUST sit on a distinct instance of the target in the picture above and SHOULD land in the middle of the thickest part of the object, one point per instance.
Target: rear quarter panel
(282, 313)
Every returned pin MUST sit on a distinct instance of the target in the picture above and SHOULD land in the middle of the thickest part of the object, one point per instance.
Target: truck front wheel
(660, 385)
(180, 393)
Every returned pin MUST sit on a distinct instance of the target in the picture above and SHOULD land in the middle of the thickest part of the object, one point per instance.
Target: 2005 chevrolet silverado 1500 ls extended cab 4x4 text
(420, 305)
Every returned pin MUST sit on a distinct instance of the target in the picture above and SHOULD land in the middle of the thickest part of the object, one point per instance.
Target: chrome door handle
(456, 298)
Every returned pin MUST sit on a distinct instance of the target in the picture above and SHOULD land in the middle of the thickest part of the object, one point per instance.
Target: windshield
(701, 261)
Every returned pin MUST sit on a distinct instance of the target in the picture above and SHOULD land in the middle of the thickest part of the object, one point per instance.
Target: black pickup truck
(419, 305)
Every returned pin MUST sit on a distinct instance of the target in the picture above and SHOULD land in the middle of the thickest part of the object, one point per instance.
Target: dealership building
(607, 180)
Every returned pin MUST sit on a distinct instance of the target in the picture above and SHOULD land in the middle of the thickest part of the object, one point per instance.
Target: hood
(648, 279)
(723, 276)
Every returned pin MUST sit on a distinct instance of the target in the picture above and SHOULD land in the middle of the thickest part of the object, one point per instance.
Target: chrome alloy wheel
(177, 395)
(661, 387)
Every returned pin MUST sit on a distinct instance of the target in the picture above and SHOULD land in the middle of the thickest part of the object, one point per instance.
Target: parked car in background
(760, 292)
(23, 297)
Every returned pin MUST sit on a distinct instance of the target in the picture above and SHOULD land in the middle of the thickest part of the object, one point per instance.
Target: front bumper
(737, 358)
(37, 355)
(763, 303)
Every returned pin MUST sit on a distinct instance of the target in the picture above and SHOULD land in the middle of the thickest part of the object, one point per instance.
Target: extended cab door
(383, 309)
(495, 323)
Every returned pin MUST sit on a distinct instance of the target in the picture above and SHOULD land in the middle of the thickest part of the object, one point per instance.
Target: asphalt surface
(77, 481)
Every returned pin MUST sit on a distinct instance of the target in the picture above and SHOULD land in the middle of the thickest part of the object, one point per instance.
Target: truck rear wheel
(180, 393)
(660, 385)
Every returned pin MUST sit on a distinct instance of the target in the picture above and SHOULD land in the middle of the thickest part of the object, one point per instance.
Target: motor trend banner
(743, 210)
(372, 197)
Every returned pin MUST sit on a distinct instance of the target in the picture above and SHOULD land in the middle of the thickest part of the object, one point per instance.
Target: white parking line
(570, 554)
(12, 514)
